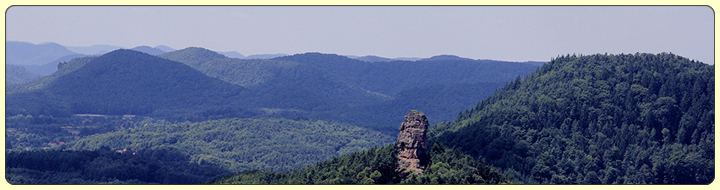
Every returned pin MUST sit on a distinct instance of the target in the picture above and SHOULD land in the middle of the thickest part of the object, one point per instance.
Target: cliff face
(411, 142)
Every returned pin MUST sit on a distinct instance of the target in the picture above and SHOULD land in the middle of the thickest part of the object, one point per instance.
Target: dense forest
(164, 165)
(16, 74)
(599, 119)
(377, 166)
(242, 144)
(201, 150)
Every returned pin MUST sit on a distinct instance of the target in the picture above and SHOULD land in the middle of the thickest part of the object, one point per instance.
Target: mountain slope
(52, 66)
(65, 68)
(389, 78)
(148, 50)
(277, 84)
(16, 74)
(131, 82)
(625, 119)
(244, 144)
(233, 54)
(441, 103)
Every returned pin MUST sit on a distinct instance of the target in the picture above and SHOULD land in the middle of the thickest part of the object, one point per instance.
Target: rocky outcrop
(411, 142)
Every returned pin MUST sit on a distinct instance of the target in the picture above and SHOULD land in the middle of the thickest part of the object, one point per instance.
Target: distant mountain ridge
(23, 53)
(319, 85)
(390, 78)
(16, 74)
(93, 49)
(148, 50)
(297, 85)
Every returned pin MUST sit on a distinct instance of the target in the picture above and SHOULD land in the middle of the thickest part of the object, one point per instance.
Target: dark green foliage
(242, 144)
(450, 166)
(105, 166)
(625, 119)
(377, 166)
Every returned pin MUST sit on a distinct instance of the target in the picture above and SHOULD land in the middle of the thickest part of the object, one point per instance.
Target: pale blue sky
(512, 33)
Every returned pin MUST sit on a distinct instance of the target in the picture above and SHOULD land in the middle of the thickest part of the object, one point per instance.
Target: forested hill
(17, 74)
(243, 144)
(389, 78)
(278, 84)
(626, 119)
(126, 82)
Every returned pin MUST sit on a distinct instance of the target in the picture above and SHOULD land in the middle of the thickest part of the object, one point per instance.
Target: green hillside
(66, 67)
(599, 119)
(16, 74)
(377, 166)
(127, 82)
(243, 144)
(104, 166)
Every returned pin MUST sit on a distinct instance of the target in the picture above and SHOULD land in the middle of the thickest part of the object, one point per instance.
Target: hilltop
(597, 119)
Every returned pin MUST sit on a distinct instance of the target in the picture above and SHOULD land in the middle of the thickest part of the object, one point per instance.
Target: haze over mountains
(310, 85)
(43, 58)
(198, 85)
(147, 115)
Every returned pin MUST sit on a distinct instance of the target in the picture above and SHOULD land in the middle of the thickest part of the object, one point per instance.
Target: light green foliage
(244, 144)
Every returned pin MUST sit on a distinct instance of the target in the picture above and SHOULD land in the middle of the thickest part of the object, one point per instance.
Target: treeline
(377, 166)
(599, 119)
(106, 166)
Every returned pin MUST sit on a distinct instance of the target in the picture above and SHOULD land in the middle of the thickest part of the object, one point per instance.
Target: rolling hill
(244, 144)
(23, 53)
(277, 84)
(597, 119)
(127, 82)
(17, 74)
(389, 78)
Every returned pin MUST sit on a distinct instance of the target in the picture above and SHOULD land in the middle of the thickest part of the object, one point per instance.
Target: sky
(508, 33)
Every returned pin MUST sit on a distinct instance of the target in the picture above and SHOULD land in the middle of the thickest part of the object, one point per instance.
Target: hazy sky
(512, 33)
